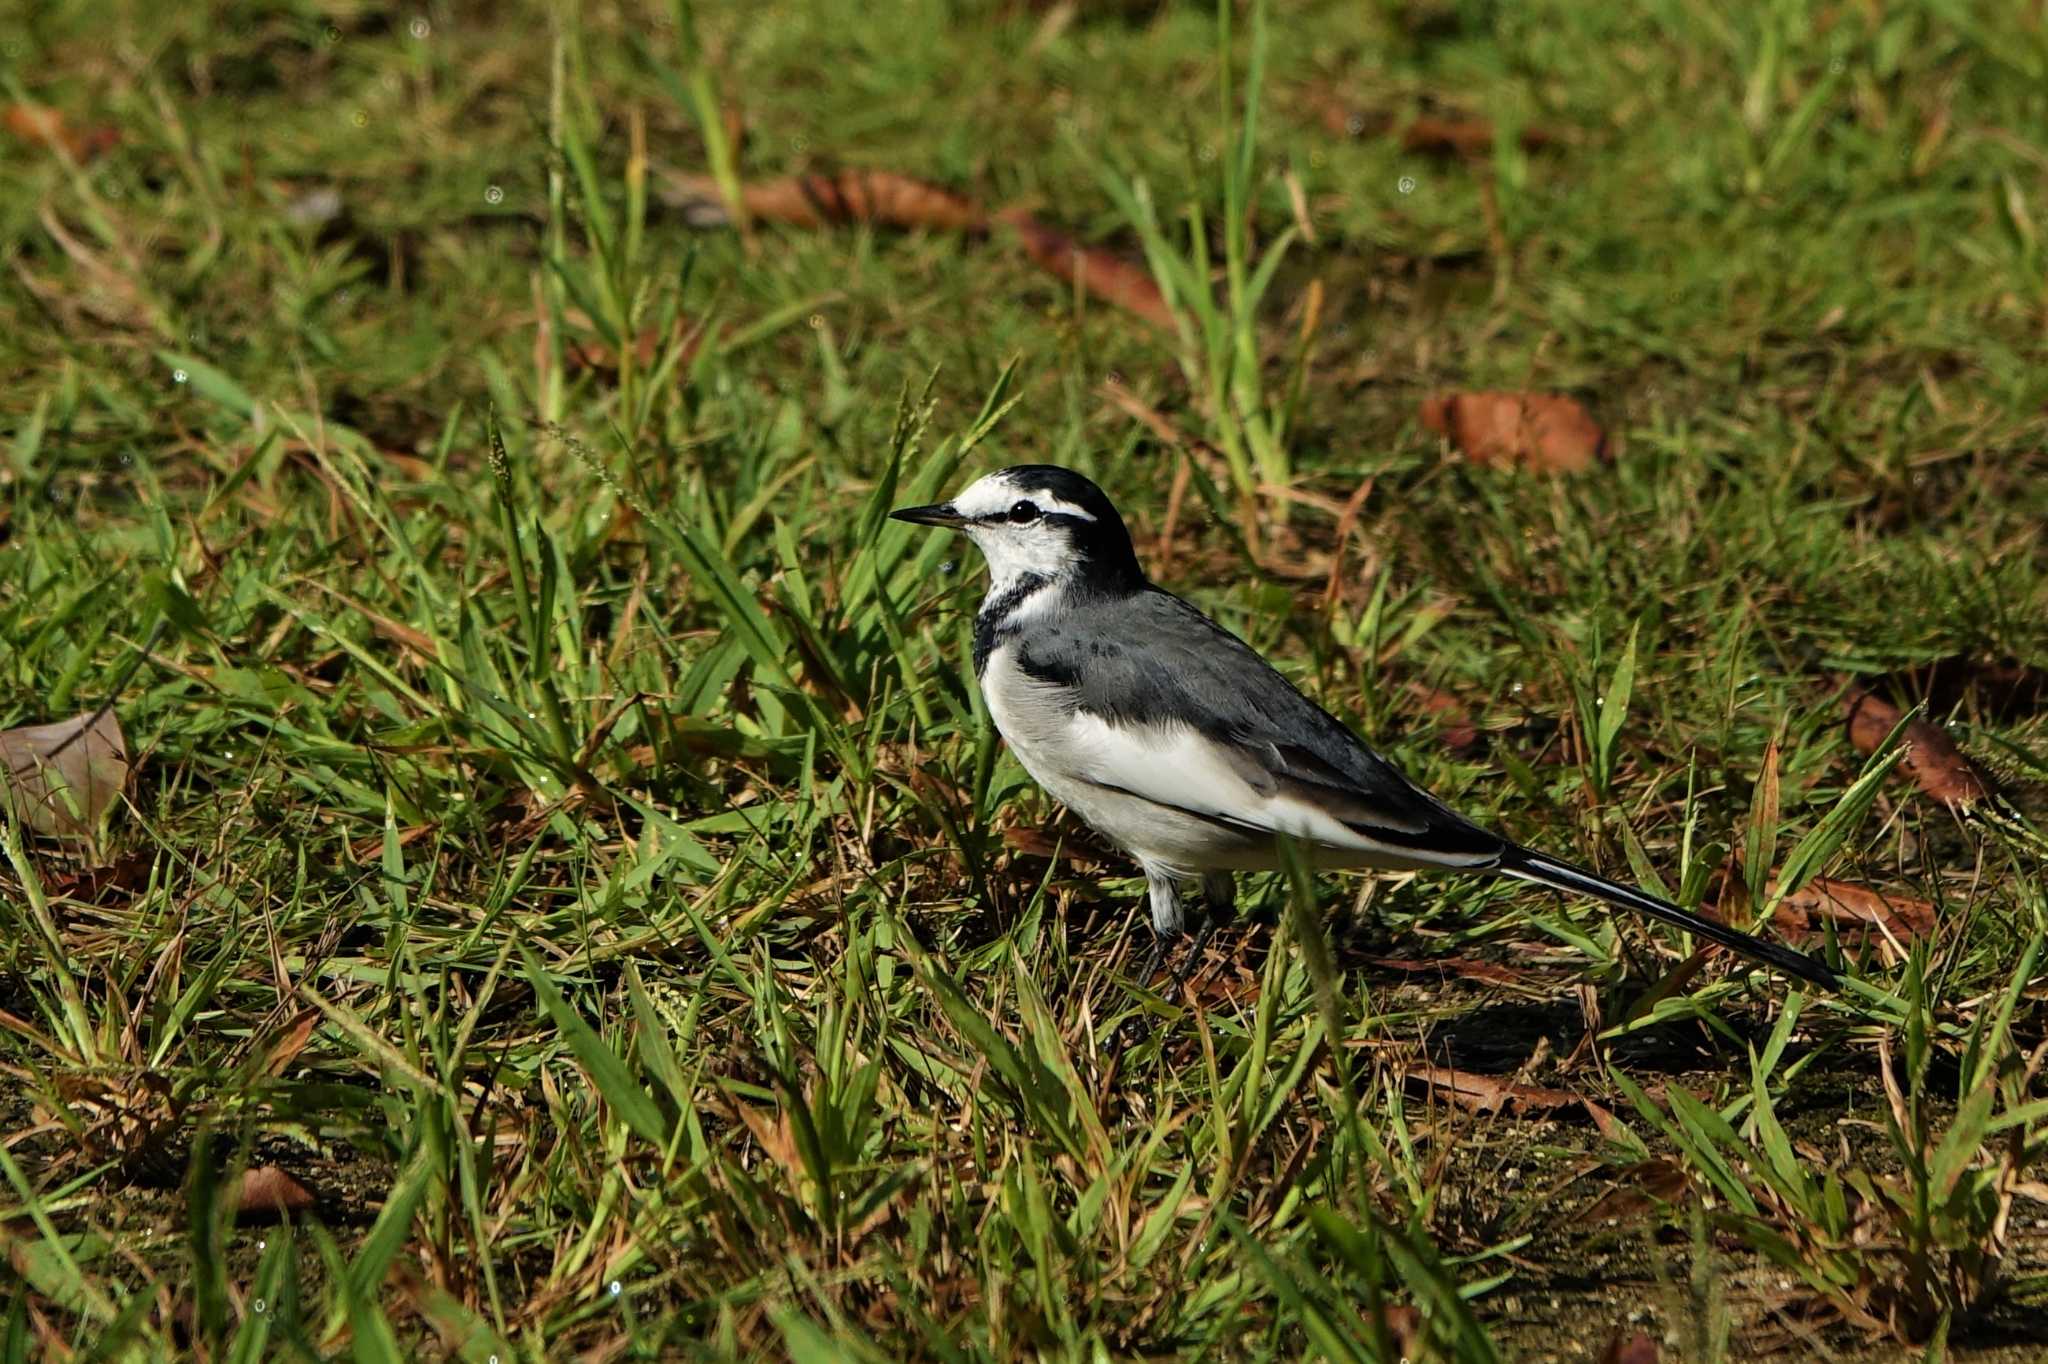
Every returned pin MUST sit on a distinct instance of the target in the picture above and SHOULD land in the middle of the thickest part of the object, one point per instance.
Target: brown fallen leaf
(592, 354)
(1543, 431)
(1630, 1347)
(1092, 269)
(1497, 1094)
(850, 196)
(1481, 1093)
(367, 850)
(890, 199)
(1214, 985)
(1455, 726)
(287, 1047)
(777, 1139)
(1461, 136)
(124, 1115)
(1404, 1329)
(126, 875)
(60, 778)
(1466, 968)
(734, 120)
(1425, 133)
(1434, 700)
(267, 1191)
(1159, 424)
(41, 126)
(1932, 759)
(579, 354)
(1651, 1182)
(1035, 842)
(1224, 973)
(1340, 119)
(1857, 911)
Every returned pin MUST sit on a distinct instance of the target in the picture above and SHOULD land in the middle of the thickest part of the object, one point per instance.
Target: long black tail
(1545, 870)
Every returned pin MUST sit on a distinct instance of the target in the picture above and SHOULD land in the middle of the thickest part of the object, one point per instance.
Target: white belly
(1059, 756)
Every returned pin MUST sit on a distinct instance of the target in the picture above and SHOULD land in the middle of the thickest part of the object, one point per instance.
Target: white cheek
(1012, 553)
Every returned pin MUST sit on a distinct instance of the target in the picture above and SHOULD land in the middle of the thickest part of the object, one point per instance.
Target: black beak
(937, 514)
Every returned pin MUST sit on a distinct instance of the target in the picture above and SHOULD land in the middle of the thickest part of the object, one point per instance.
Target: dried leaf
(734, 119)
(1497, 1094)
(267, 1191)
(1404, 1328)
(1467, 968)
(1456, 729)
(1224, 985)
(1932, 759)
(1434, 700)
(41, 126)
(852, 196)
(112, 289)
(1093, 269)
(1630, 1347)
(1225, 972)
(1461, 136)
(1162, 426)
(1896, 919)
(1545, 431)
(889, 199)
(777, 1139)
(1464, 740)
(60, 778)
(1425, 133)
(126, 875)
(1340, 119)
(367, 851)
(288, 1047)
(935, 786)
(1653, 1182)
(126, 1115)
(1033, 841)
(591, 354)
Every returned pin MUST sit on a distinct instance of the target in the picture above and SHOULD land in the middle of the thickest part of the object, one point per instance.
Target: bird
(1175, 740)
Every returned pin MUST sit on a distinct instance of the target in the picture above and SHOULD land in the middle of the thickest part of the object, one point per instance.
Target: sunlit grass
(569, 841)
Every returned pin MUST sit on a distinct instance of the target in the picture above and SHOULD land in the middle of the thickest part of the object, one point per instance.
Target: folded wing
(1196, 721)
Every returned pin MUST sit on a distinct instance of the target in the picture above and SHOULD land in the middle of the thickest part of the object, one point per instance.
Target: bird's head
(1039, 520)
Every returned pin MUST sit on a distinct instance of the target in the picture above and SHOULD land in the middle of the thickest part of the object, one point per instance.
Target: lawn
(567, 900)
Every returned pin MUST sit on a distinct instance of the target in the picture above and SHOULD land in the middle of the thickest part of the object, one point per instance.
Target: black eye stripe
(1024, 512)
(1041, 514)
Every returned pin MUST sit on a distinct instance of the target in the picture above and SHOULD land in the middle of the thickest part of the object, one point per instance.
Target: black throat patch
(992, 623)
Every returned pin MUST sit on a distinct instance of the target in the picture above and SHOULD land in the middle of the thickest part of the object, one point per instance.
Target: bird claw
(1192, 956)
(1187, 953)
(1154, 954)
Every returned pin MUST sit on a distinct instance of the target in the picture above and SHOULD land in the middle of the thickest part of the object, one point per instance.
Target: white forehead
(999, 492)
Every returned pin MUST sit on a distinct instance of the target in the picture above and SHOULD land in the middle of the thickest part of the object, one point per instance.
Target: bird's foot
(1148, 966)
(1138, 1027)
(1184, 954)
(1192, 957)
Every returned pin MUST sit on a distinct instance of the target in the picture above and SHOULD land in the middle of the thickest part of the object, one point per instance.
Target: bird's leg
(1219, 891)
(1219, 902)
(1167, 919)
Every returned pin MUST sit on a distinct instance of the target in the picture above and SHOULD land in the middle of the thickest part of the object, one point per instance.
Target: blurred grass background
(565, 836)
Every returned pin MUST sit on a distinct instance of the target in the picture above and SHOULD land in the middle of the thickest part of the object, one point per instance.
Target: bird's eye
(1022, 513)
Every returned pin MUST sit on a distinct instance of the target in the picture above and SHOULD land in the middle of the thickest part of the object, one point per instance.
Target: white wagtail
(1169, 735)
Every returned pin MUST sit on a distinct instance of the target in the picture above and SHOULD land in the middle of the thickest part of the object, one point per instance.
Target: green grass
(566, 836)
